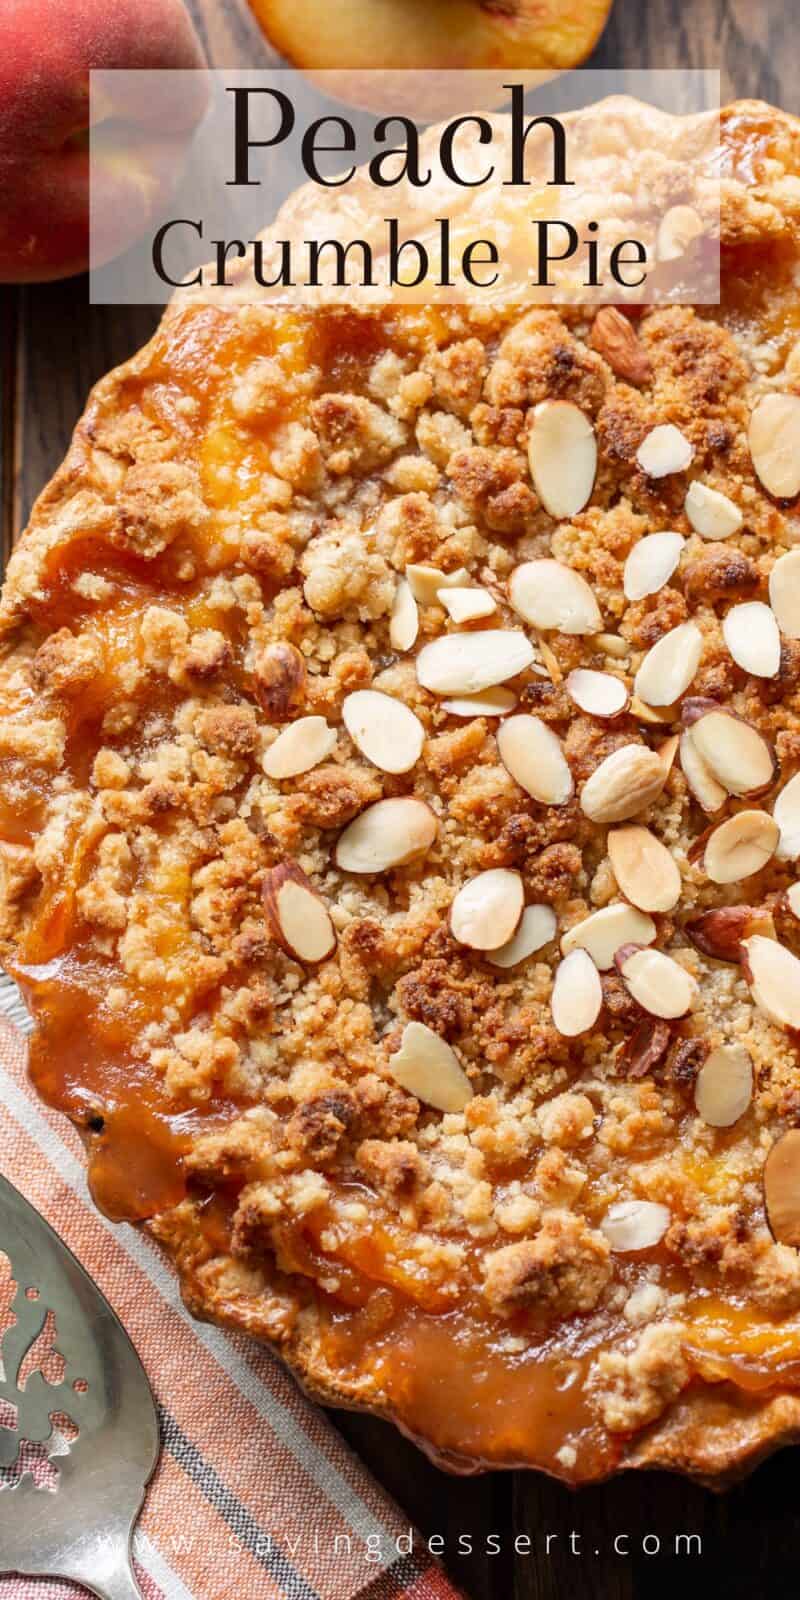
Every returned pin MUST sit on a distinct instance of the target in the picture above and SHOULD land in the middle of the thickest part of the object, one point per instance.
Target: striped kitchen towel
(255, 1496)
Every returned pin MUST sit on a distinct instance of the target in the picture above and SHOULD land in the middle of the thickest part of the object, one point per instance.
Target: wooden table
(53, 346)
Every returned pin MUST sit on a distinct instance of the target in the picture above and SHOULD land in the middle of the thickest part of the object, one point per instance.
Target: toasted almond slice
(793, 899)
(425, 582)
(486, 912)
(465, 663)
(651, 564)
(612, 645)
(741, 846)
(644, 869)
(495, 702)
(466, 605)
(724, 1086)
(653, 716)
(667, 753)
(388, 834)
(537, 928)
(384, 729)
(706, 790)
(625, 783)
(773, 974)
(751, 634)
(404, 621)
(635, 1224)
(657, 983)
(669, 667)
(711, 514)
(426, 1067)
(562, 454)
(663, 450)
(786, 812)
(676, 230)
(784, 593)
(299, 747)
(775, 444)
(532, 753)
(605, 932)
(599, 694)
(737, 754)
(549, 595)
(296, 915)
(782, 1188)
(719, 933)
(577, 997)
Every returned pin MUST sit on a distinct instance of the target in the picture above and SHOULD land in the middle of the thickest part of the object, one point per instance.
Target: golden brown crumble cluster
(400, 811)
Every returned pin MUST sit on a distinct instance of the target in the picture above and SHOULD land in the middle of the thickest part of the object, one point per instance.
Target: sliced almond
(663, 450)
(782, 1188)
(280, 676)
(724, 1086)
(299, 747)
(425, 582)
(784, 593)
(775, 444)
(773, 974)
(532, 753)
(669, 667)
(630, 779)
(676, 230)
(404, 621)
(428, 1068)
(793, 899)
(495, 702)
(751, 634)
(605, 932)
(667, 753)
(719, 933)
(384, 729)
(466, 663)
(613, 645)
(466, 605)
(599, 694)
(562, 454)
(296, 915)
(388, 834)
(656, 982)
(537, 928)
(577, 997)
(786, 812)
(741, 846)
(643, 1050)
(644, 869)
(551, 596)
(615, 338)
(635, 1224)
(653, 716)
(737, 754)
(485, 913)
(711, 514)
(651, 564)
(706, 790)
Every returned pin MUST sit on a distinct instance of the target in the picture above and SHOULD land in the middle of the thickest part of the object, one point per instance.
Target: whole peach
(48, 50)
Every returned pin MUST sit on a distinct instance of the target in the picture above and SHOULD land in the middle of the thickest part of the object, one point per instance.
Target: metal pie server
(81, 1528)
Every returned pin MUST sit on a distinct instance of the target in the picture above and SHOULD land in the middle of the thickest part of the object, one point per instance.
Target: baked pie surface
(561, 1251)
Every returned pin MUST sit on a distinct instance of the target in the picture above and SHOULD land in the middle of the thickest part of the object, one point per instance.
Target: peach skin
(49, 48)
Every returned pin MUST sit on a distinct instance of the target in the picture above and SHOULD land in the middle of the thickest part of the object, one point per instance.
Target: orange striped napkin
(255, 1495)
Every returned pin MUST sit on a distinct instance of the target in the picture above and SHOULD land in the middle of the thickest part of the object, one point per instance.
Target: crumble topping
(398, 838)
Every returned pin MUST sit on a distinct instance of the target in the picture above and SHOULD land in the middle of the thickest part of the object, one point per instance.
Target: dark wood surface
(53, 346)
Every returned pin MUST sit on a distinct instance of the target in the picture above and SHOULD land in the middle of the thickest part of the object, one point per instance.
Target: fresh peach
(49, 48)
(534, 38)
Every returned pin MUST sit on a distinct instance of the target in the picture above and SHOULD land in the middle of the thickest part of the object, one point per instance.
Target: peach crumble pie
(400, 814)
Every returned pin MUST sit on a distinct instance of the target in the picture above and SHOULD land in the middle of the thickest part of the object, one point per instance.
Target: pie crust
(546, 1255)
